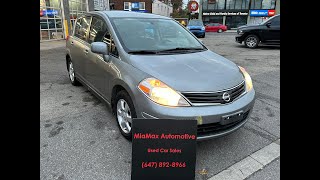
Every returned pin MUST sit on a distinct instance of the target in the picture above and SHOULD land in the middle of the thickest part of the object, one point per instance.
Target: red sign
(193, 6)
(271, 12)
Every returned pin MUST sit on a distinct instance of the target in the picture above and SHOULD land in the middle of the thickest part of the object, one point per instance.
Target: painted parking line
(250, 164)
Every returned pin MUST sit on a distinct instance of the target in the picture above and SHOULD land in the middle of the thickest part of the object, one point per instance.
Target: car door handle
(86, 51)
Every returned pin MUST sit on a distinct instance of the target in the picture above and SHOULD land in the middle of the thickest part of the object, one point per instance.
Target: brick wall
(118, 4)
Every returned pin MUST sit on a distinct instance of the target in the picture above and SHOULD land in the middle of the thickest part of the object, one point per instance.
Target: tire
(71, 73)
(124, 111)
(220, 31)
(204, 36)
(251, 41)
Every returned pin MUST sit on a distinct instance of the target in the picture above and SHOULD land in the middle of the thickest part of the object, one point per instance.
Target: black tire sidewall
(251, 35)
(125, 96)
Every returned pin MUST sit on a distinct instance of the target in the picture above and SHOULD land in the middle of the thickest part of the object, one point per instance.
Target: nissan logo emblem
(226, 97)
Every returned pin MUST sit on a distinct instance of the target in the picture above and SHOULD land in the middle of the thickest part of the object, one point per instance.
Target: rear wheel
(251, 41)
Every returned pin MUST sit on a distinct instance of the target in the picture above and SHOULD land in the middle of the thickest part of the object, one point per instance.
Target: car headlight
(240, 32)
(160, 93)
(247, 79)
(203, 28)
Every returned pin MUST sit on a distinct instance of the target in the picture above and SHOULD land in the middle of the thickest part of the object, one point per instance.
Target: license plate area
(231, 118)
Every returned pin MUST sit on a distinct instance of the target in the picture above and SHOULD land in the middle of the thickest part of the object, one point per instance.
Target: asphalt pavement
(79, 138)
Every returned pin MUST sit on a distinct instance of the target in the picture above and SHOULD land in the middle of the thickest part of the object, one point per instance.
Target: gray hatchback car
(149, 66)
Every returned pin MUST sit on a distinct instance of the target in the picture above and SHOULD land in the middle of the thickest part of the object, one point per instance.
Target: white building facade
(160, 8)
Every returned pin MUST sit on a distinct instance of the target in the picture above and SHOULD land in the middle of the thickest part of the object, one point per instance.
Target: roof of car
(131, 14)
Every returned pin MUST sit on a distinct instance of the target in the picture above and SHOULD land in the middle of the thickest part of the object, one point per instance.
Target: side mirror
(268, 24)
(100, 48)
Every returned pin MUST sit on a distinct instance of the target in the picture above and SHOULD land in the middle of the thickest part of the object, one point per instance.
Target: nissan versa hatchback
(150, 66)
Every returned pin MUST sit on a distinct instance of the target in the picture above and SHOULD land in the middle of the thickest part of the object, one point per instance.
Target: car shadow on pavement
(262, 46)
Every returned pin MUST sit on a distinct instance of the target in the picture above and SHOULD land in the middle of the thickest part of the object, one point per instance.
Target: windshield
(141, 34)
(195, 23)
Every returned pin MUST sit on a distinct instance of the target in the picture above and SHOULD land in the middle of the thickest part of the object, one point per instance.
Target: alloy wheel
(71, 71)
(124, 116)
(251, 41)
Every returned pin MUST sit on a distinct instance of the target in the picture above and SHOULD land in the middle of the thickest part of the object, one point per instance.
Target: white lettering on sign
(226, 13)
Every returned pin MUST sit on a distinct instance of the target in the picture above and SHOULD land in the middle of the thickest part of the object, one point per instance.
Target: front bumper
(239, 38)
(209, 118)
(198, 33)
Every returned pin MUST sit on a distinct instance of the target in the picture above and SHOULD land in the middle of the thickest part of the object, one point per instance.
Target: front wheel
(125, 112)
(71, 73)
(220, 31)
(251, 41)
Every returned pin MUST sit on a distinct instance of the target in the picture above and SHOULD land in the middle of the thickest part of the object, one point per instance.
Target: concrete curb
(250, 164)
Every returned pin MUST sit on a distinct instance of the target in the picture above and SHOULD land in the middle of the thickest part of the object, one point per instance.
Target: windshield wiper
(143, 52)
(181, 49)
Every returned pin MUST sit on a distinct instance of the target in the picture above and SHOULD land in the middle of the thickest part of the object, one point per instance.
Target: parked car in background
(182, 21)
(215, 27)
(267, 32)
(168, 73)
(197, 28)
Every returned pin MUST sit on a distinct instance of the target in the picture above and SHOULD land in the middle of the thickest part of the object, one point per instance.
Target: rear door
(78, 45)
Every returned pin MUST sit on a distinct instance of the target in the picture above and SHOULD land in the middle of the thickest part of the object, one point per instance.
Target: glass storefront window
(268, 4)
(50, 20)
(76, 8)
(263, 4)
(235, 21)
(210, 4)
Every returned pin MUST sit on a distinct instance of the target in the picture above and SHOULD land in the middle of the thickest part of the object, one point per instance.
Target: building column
(224, 20)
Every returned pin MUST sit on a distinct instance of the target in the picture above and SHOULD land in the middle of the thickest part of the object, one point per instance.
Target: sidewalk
(231, 31)
(52, 44)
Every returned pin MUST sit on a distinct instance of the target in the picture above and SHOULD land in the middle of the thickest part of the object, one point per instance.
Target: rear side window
(97, 30)
(81, 28)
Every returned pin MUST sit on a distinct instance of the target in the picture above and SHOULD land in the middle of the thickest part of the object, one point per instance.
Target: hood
(251, 26)
(201, 71)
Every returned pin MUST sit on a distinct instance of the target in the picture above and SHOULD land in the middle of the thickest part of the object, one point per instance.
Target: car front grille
(205, 129)
(215, 97)
(195, 29)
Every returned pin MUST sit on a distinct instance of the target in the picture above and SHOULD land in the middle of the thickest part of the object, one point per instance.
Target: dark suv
(267, 32)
